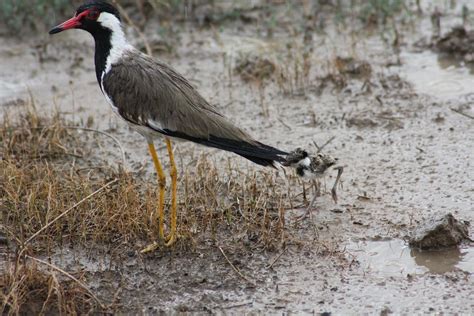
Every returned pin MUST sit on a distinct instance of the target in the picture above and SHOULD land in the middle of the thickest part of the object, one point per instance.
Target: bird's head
(93, 16)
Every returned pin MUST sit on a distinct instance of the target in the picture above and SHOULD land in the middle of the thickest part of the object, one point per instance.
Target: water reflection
(439, 76)
(446, 62)
(395, 258)
(438, 261)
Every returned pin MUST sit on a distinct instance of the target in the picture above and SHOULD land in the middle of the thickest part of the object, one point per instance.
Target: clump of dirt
(345, 70)
(458, 43)
(387, 119)
(440, 233)
(352, 67)
(252, 67)
(361, 121)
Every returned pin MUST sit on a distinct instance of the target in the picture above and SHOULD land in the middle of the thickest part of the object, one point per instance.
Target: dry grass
(48, 176)
(44, 172)
(29, 290)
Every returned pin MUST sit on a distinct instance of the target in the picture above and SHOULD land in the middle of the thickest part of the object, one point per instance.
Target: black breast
(102, 50)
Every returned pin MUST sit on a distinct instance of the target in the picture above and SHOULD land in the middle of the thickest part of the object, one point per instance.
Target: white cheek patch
(118, 41)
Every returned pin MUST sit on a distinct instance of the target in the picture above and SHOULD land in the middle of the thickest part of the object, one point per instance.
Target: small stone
(440, 233)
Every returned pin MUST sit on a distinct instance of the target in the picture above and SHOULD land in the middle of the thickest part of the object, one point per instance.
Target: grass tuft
(29, 290)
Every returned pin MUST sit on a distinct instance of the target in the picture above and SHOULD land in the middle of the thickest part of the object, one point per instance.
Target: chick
(312, 167)
(309, 167)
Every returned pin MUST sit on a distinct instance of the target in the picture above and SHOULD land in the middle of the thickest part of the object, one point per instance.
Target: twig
(235, 268)
(462, 113)
(70, 276)
(316, 145)
(119, 144)
(276, 259)
(421, 150)
(68, 210)
(284, 124)
(320, 148)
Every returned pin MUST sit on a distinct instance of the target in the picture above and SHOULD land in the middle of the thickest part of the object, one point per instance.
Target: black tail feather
(256, 152)
(264, 155)
(260, 161)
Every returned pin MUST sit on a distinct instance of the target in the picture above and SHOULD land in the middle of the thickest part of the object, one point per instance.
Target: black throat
(103, 46)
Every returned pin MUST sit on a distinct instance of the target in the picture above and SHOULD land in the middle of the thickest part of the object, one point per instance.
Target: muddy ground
(408, 157)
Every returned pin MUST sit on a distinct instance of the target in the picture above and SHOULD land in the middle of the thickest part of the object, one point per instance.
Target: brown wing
(148, 92)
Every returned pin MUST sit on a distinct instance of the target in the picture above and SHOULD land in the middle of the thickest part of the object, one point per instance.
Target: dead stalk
(277, 258)
(119, 144)
(320, 148)
(235, 268)
(462, 113)
(70, 277)
(68, 210)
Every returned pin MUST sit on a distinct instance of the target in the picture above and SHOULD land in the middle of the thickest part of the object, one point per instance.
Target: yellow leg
(162, 187)
(174, 182)
(171, 238)
(161, 203)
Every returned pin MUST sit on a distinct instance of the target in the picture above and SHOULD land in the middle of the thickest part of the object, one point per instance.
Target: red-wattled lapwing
(155, 100)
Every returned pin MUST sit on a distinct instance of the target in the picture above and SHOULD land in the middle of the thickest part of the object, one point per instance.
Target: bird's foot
(170, 240)
(151, 247)
(166, 242)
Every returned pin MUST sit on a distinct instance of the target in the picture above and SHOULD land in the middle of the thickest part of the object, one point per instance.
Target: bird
(309, 167)
(313, 167)
(158, 103)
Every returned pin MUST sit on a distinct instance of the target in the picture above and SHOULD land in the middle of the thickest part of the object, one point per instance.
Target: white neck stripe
(118, 42)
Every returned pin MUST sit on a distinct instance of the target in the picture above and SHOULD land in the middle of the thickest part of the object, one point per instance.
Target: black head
(88, 18)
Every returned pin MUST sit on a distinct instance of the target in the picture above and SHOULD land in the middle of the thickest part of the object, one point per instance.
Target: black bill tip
(55, 30)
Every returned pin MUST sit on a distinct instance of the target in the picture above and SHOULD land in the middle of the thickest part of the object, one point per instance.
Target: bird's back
(147, 91)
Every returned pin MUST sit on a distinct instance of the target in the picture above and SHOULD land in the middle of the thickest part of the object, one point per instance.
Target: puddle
(438, 76)
(396, 258)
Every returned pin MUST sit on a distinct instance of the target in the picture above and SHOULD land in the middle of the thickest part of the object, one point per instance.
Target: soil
(459, 43)
(407, 157)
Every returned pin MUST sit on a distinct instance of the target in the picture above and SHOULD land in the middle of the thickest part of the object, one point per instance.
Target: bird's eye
(93, 15)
